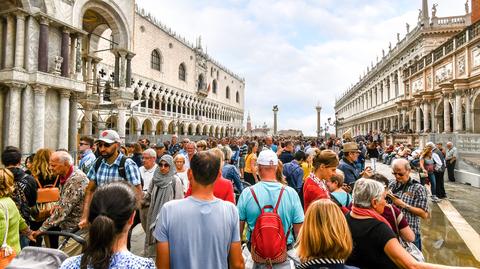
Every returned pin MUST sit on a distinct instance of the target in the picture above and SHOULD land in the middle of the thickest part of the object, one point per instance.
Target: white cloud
(294, 53)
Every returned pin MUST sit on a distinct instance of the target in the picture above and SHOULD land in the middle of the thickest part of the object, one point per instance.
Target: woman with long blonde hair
(40, 169)
(427, 164)
(325, 240)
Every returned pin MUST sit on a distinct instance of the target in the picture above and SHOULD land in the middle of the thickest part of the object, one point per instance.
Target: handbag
(408, 246)
(7, 253)
(47, 198)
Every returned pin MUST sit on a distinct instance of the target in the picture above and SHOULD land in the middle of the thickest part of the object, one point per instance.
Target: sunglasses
(105, 145)
(163, 165)
(83, 144)
(398, 174)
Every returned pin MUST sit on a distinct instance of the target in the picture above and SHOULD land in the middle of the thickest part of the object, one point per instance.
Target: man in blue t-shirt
(267, 191)
(200, 231)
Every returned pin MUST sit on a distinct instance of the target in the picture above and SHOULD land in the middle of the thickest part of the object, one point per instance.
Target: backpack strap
(279, 198)
(121, 168)
(255, 197)
(98, 162)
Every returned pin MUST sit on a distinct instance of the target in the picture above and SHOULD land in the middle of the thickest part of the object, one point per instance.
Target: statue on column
(408, 27)
(467, 8)
(434, 10)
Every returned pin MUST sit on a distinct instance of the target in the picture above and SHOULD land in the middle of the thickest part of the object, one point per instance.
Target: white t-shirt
(184, 177)
(147, 175)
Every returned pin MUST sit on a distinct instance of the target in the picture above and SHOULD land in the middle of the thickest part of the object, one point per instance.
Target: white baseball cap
(267, 157)
(109, 136)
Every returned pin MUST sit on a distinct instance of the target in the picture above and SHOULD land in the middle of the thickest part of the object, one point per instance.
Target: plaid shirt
(108, 173)
(414, 194)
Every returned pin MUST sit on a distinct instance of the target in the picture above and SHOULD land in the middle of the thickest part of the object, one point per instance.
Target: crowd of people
(247, 202)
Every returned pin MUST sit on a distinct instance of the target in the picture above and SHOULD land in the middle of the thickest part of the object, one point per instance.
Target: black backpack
(121, 167)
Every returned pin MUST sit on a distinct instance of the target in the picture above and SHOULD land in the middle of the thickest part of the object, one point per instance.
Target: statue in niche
(408, 27)
(58, 65)
(434, 10)
(467, 8)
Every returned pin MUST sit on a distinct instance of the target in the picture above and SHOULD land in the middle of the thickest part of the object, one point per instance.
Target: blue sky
(294, 53)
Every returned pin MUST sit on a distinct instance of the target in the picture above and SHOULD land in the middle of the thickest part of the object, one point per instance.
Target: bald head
(62, 157)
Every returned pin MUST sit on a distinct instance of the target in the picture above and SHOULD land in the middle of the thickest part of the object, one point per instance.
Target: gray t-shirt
(199, 233)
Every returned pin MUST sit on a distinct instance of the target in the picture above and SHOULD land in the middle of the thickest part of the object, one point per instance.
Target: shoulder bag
(7, 253)
(47, 198)
(408, 246)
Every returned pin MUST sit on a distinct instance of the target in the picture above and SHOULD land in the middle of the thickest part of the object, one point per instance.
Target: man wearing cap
(110, 169)
(267, 192)
(160, 149)
(347, 163)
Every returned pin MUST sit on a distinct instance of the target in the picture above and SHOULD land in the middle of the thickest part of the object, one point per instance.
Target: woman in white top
(179, 161)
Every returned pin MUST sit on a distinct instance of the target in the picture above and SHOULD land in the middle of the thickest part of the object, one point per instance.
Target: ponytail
(111, 207)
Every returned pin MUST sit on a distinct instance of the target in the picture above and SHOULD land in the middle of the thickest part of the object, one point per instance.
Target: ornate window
(227, 92)
(156, 60)
(237, 97)
(214, 86)
(182, 72)
(201, 82)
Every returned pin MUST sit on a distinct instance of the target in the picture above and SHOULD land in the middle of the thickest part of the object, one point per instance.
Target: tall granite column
(43, 46)
(417, 119)
(446, 114)
(27, 120)
(64, 52)
(39, 117)
(64, 119)
(72, 123)
(116, 77)
(458, 112)
(12, 114)
(20, 40)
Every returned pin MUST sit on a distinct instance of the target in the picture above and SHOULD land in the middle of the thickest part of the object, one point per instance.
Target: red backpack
(269, 243)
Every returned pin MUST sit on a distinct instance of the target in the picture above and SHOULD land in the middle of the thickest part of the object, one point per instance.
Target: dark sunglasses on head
(163, 165)
(398, 174)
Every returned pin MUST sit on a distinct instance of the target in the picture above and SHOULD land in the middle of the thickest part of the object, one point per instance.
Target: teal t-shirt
(343, 198)
(290, 209)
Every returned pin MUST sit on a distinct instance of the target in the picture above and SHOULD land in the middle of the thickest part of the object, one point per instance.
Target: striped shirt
(243, 150)
(108, 173)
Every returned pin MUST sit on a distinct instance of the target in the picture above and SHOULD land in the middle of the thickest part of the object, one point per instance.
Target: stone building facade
(70, 67)
(425, 89)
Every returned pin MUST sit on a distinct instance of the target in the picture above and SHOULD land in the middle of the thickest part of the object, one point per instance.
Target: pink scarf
(367, 212)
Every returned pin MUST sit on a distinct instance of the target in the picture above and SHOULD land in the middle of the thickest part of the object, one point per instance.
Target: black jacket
(25, 194)
(325, 264)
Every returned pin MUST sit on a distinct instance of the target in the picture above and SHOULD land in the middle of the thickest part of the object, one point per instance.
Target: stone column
(43, 46)
(72, 123)
(88, 118)
(28, 58)
(433, 120)
(319, 109)
(468, 113)
(64, 52)
(446, 114)
(20, 41)
(417, 119)
(88, 74)
(426, 121)
(458, 112)
(12, 114)
(64, 119)
(122, 80)
(116, 78)
(39, 117)
(121, 122)
(27, 120)
(73, 55)
(129, 70)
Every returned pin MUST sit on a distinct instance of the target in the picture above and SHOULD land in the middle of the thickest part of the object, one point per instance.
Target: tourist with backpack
(200, 231)
(273, 214)
(111, 166)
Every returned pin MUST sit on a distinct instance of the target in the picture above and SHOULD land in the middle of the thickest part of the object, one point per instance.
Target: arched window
(237, 97)
(227, 92)
(214, 86)
(181, 72)
(200, 82)
(156, 60)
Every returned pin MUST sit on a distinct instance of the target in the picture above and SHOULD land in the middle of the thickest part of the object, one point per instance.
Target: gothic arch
(160, 127)
(147, 127)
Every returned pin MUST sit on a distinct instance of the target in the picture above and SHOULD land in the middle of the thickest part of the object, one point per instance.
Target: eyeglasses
(398, 174)
(105, 145)
(162, 165)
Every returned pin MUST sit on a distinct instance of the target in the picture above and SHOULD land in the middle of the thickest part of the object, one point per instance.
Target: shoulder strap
(98, 162)
(38, 182)
(279, 198)
(255, 197)
(121, 168)
(396, 222)
(4, 243)
(56, 181)
(335, 200)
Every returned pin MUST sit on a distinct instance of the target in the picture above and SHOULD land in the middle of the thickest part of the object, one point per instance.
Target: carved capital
(39, 89)
(20, 15)
(64, 93)
(44, 20)
(16, 85)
